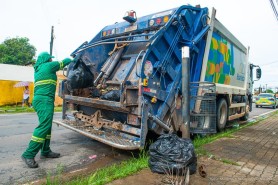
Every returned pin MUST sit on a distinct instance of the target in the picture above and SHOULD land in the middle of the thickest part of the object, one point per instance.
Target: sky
(251, 21)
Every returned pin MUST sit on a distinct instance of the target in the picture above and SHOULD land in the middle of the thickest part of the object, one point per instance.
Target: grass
(228, 161)
(20, 109)
(108, 174)
(50, 179)
(131, 166)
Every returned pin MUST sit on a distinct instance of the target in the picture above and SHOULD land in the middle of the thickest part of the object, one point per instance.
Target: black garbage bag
(79, 75)
(113, 95)
(95, 93)
(172, 155)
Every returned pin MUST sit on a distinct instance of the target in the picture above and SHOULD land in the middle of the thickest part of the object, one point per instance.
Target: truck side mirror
(258, 73)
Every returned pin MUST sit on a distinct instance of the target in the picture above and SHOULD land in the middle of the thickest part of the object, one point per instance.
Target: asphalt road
(77, 151)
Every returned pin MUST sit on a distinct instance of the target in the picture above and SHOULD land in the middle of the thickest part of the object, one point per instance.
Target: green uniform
(43, 103)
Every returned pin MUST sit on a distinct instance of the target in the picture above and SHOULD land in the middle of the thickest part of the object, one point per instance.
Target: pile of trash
(172, 155)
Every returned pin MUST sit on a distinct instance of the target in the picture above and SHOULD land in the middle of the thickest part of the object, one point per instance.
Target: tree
(269, 91)
(17, 51)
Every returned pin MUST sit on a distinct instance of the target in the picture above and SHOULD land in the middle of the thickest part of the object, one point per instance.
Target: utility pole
(266, 88)
(51, 40)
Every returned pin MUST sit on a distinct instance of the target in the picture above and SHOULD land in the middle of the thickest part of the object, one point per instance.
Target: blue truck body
(126, 81)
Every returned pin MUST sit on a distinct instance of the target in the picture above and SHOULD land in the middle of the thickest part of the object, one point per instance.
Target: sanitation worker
(43, 102)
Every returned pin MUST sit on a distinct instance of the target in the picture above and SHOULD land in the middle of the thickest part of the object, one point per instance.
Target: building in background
(10, 75)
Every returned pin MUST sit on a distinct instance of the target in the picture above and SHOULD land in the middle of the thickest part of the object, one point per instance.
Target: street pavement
(247, 157)
(77, 151)
(255, 151)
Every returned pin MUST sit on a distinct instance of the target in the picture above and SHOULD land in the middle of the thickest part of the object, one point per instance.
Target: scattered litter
(235, 125)
(92, 156)
(103, 155)
(34, 182)
(202, 170)
(273, 133)
(77, 170)
(212, 156)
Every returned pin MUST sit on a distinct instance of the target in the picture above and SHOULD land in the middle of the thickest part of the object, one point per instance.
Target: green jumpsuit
(43, 102)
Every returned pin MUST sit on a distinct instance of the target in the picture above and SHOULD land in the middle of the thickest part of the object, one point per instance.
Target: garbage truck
(126, 82)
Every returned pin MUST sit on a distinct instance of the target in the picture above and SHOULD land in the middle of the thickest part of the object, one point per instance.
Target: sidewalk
(250, 155)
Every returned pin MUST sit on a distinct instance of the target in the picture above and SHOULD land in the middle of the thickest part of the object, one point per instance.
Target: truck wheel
(274, 107)
(257, 106)
(222, 114)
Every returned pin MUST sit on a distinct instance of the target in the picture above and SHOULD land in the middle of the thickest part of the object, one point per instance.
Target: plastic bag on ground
(172, 155)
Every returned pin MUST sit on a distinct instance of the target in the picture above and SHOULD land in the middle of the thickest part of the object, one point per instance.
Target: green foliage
(269, 91)
(17, 51)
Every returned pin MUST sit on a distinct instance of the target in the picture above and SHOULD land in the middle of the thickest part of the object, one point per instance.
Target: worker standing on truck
(43, 102)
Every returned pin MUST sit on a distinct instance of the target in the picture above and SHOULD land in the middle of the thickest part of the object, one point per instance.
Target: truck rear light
(272, 99)
(148, 68)
(151, 22)
(165, 19)
(158, 20)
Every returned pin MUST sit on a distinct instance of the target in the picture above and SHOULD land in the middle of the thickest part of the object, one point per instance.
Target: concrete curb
(264, 115)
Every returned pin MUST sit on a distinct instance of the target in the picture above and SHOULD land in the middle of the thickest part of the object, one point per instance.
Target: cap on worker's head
(43, 58)
(45, 54)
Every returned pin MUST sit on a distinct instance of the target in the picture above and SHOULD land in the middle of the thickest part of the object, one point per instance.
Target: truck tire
(222, 114)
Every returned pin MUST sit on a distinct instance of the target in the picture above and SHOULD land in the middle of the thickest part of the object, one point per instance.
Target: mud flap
(144, 124)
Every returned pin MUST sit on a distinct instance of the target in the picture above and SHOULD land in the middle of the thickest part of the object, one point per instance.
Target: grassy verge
(126, 168)
(20, 109)
(108, 174)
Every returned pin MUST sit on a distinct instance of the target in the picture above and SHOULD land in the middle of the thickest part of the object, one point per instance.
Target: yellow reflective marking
(44, 82)
(37, 139)
(61, 64)
(48, 137)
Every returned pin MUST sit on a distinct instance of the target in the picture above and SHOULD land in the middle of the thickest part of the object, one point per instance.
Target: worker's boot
(31, 163)
(50, 155)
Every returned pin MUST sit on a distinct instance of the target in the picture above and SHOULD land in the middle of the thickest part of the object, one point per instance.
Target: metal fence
(202, 107)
